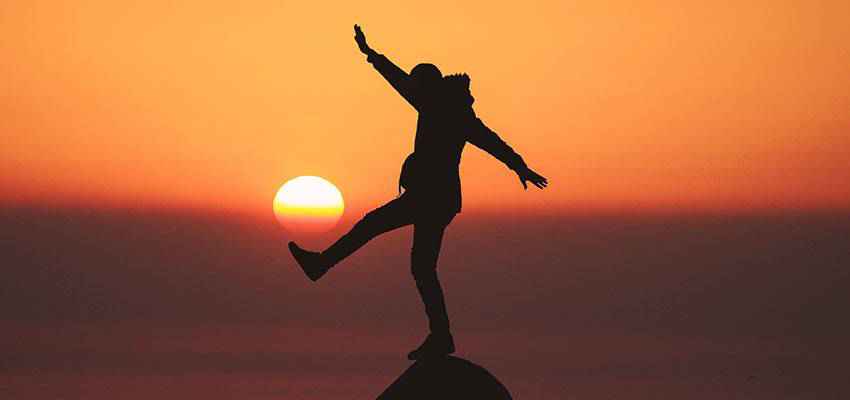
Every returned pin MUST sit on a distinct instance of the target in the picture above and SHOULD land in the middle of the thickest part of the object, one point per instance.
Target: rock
(446, 379)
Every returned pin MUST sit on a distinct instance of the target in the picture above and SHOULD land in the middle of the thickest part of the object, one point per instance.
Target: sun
(308, 204)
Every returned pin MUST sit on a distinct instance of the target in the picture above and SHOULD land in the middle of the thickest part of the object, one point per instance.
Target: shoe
(434, 346)
(309, 261)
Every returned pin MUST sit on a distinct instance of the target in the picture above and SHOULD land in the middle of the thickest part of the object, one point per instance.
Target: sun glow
(308, 204)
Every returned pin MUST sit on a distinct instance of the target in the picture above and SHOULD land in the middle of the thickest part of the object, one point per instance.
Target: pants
(428, 228)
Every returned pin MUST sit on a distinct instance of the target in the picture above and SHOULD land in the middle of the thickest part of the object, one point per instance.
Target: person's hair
(457, 85)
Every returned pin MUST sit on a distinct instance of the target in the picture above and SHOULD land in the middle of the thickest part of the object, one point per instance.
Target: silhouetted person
(431, 181)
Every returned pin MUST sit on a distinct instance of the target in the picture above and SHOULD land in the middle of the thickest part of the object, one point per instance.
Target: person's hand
(527, 175)
(360, 38)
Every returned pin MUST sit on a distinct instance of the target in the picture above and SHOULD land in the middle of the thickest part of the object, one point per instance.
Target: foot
(434, 346)
(309, 261)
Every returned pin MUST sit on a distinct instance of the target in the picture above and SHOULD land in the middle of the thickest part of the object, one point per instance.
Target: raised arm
(396, 76)
(483, 137)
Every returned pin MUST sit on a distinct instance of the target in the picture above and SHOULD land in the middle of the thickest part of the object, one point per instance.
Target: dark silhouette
(446, 378)
(431, 181)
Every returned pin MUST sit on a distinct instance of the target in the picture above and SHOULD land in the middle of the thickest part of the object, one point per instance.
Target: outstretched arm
(396, 76)
(483, 137)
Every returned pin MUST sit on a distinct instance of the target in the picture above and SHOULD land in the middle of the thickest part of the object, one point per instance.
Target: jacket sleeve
(483, 137)
(396, 77)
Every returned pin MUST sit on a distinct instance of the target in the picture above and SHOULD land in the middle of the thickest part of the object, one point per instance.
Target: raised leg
(392, 215)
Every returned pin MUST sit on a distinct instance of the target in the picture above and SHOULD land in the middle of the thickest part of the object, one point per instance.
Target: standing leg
(427, 240)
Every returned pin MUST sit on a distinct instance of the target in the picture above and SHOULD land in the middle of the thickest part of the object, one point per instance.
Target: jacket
(446, 122)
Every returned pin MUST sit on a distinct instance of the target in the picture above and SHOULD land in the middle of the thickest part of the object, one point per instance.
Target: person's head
(426, 75)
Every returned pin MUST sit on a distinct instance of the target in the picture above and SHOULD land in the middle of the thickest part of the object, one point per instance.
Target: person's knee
(423, 271)
(368, 221)
(424, 275)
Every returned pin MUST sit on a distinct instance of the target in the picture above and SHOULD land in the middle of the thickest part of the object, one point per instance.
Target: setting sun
(308, 204)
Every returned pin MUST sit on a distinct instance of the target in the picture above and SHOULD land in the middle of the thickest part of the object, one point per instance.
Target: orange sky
(668, 105)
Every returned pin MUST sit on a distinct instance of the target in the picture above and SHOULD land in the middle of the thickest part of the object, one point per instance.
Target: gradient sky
(158, 132)
(662, 105)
